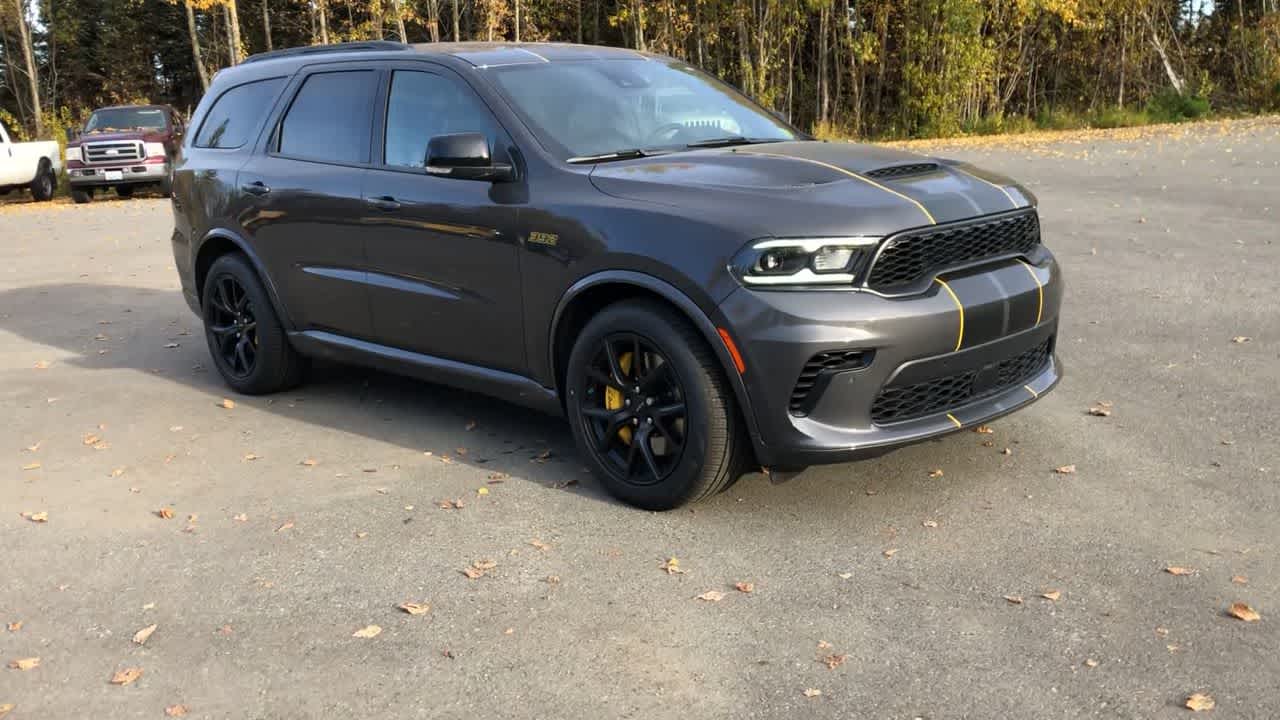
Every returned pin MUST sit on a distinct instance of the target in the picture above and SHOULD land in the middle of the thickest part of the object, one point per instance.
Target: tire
(166, 185)
(124, 192)
(44, 184)
(81, 196)
(233, 290)
(714, 448)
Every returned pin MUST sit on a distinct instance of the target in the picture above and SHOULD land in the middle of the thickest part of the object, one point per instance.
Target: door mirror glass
(465, 156)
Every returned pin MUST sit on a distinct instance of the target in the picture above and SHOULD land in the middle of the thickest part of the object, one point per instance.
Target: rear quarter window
(237, 113)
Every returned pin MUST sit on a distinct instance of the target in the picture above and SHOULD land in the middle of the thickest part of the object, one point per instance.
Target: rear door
(443, 256)
(302, 197)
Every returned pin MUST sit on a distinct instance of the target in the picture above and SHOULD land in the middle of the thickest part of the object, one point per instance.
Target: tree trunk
(375, 18)
(433, 20)
(578, 4)
(233, 31)
(638, 6)
(517, 20)
(266, 23)
(195, 46)
(324, 21)
(1174, 80)
(34, 80)
(457, 35)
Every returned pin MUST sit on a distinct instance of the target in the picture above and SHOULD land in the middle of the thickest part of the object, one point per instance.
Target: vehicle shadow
(112, 327)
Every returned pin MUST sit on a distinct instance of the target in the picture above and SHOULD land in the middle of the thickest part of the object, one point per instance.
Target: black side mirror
(465, 156)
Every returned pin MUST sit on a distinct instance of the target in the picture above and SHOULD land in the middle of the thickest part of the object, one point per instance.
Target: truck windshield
(125, 119)
(612, 109)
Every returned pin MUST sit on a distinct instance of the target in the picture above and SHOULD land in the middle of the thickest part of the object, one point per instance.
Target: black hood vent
(897, 171)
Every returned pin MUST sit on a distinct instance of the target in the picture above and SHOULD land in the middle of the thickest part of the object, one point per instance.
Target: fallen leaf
(91, 439)
(711, 596)
(1091, 663)
(309, 462)
(227, 404)
(240, 518)
(553, 579)
(408, 507)
(171, 345)
(117, 472)
(983, 430)
(1065, 470)
(1101, 409)
(126, 676)
(845, 576)
(461, 451)
(382, 491)
(745, 587)
(988, 443)
(102, 446)
(250, 457)
(25, 663)
(1176, 570)
(36, 517)
(175, 428)
(936, 473)
(1162, 631)
(1239, 579)
(1241, 339)
(15, 626)
(141, 636)
(42, 364)
(361, 535)
(5, 708)
(451, 505)
(34, 448)
(834, 661)
(824, 645)
(930, 523)
(178, 710)
(539, 544)
(890, 552)
(369, 631)
(31, 466)
(1014, 599)
(1006, 451)
(497, 477)
(479, 568)
(1242, 611)
(1051, 594)
(414, 608)
(165, 513)
(672, 566)
(287, 526)
(482, 491)
(1200, 701)
(812, 692)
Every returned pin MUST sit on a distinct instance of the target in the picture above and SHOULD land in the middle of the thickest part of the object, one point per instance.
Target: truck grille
(896, 404)
(113, 152)
(911, 257)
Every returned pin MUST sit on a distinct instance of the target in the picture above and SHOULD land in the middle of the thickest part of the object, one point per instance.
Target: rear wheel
(651, 409)
(44, 183)
(124, 191)
(247, 341)
(81, 196)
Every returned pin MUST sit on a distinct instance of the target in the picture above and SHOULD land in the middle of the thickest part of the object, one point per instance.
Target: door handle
(256, 187)
(385, 202)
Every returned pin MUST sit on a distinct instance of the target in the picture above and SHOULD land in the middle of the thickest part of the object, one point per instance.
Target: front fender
(219, 241)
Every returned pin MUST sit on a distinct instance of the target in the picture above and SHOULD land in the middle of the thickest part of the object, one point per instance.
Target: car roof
(133, 107)
(476, 54)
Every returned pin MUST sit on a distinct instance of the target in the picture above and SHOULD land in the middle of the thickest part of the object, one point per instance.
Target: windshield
(124, 119)
(584, 109)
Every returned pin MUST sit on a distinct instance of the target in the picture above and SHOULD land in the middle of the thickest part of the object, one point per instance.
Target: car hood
(144, 136)
(814, 188)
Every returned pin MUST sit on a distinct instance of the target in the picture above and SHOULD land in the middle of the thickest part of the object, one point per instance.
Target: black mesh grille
(910, 257)
(897, 171)
(834, 361)
(895, 404)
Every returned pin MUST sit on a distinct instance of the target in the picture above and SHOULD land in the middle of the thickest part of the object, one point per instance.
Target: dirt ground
(300, 519)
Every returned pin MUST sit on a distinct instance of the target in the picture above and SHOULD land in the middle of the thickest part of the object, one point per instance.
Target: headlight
(154, 149)
(72, 153)
(803, 261)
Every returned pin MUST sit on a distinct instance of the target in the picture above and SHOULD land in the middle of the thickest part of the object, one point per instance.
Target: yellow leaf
(91, 439)
(250, 457)
(1091, 663)
(42, 365)
(310, 462)
(812, 692)
(482, 491)
(414, 608)
(287, 526)
(25, 663)
(165, 513)
(117, 472)
(178, 710)
(1242, 611)
(126, 676)
(227, 404)
(240, 518)
(890, 552)
(983, 430)
(31, 466)
(1200, 701)
(5, 708)
(1051, 594)
(369, 631)
(1239, 579)
(37, 517)
(672, 566)
(1176, 570)
(1065, 469)
(935, 473)
(15, 626)
(141, 636)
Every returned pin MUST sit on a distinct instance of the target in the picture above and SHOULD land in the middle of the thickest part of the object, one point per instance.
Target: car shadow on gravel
(109, 327)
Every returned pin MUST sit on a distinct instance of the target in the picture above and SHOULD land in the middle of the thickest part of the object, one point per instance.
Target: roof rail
(366, 46)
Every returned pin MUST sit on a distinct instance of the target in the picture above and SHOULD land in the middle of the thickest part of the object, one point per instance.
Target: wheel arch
(589, 295)
(221, 242)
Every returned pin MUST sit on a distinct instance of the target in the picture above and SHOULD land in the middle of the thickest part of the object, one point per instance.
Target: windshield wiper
(730, 140)
(628, 154)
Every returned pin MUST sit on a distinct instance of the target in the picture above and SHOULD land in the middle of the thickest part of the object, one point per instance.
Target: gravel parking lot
(994, 588)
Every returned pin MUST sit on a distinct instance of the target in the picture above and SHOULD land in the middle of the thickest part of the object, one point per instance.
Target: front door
(443, 258)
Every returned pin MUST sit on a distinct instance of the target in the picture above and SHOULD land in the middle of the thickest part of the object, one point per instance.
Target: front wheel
(651, 409)
(246, 339)
(44, 183)
(81, 196)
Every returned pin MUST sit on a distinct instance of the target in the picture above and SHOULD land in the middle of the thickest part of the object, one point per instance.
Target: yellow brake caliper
(613, 399)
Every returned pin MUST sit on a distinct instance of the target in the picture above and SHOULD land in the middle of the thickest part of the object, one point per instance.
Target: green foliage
(1169, 106)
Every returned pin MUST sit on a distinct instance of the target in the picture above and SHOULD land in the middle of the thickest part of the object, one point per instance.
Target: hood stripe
(988, 182)
(851, 174)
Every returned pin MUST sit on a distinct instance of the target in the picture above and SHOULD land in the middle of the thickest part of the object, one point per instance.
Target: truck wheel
(124, 191)
(44, 183)
(651, 409)
(81, 196)
(248, 344)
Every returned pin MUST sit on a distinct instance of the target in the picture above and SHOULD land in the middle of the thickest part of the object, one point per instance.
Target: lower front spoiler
(785, 462)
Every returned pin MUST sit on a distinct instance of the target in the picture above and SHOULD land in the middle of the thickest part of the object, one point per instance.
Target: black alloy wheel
(229, 316)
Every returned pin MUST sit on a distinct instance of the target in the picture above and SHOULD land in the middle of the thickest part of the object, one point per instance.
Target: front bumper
(916, 344)
(131, 174)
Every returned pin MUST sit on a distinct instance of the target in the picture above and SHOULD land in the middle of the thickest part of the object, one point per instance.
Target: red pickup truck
(124, 147)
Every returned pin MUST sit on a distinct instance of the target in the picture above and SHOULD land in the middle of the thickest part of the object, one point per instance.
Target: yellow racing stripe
(953, 419)
(1034, 394)
(851, 174)
(959, 306)
(1039, 289)
(988, 182)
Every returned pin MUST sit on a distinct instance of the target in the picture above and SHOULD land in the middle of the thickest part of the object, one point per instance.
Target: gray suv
(611, 236)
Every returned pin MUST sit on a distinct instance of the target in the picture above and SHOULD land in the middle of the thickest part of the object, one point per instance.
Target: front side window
(329, 119)
(423, 105)
(110, 120)
(604, 106)
(236, 113)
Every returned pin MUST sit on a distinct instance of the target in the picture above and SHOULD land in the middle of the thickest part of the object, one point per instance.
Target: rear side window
(330, 118)
(236, 113)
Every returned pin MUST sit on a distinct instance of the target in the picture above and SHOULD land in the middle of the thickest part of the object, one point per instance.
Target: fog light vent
(817, 374)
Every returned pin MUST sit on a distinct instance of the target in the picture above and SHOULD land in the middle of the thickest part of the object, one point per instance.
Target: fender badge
(542, 238)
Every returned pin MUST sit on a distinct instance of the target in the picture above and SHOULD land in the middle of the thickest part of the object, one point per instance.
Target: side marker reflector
(733, 350)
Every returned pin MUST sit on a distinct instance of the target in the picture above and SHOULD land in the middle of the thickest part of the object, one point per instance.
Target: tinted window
(236, 113)
(422, 106)
(330, 118)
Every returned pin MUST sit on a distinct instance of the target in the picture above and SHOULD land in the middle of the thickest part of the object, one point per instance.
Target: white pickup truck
(30, 165)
